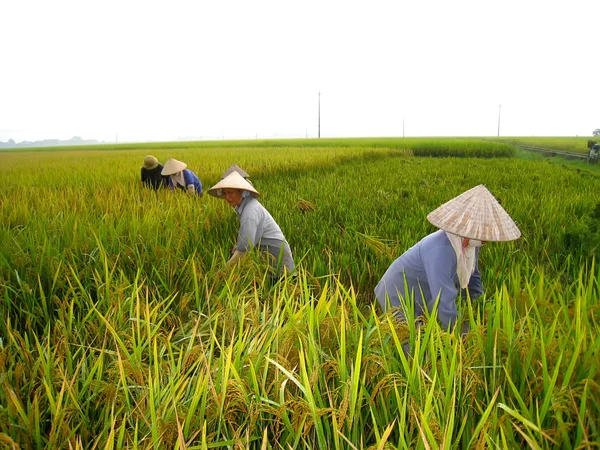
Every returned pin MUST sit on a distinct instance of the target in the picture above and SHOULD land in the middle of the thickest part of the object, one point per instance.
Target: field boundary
(569, 155)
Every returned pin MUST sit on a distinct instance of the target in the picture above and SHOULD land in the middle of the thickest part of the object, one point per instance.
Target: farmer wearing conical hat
(445, 262)
(257, 226)
(235, 168)
(180, 177)
(151, 173)
(238, 169)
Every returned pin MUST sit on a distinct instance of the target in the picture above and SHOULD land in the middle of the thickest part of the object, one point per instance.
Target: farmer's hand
(464, 329)
(237, 255)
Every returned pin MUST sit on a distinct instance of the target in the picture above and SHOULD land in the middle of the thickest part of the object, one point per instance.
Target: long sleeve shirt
(258, 228)
(429, 268)
(152, 177)
(190, 178)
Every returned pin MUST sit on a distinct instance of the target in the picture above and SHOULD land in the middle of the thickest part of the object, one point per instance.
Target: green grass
(121, 328)
(433, 144)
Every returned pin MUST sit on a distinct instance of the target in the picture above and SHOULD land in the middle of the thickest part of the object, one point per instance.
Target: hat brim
(232, 181)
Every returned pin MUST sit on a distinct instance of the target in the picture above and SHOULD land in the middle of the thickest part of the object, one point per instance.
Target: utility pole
(499, 106)
(319, 131)
(403, 127)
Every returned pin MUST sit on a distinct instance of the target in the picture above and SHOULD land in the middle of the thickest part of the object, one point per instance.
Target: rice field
(120, 326)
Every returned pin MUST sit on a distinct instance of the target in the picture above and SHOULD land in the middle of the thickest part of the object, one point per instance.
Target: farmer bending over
(179, 176)
(257, 226)
(445, 262)
(238, 169)
(151, 173)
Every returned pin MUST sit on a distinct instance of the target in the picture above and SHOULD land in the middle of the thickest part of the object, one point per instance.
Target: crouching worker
(257, 226)
(180, 177)
(446, 262)
(151, 173)
(238, 169)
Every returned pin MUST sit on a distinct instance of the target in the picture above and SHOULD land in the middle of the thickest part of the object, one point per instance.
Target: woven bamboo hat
(173, 166)
(150, 162)
(232, 181)
(235, 168)
(475, 214)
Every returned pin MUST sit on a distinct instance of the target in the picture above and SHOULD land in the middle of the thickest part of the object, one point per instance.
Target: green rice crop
(121, 328)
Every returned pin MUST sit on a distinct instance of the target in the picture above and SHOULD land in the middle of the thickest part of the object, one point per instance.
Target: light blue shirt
(431, 265)
(258, 228)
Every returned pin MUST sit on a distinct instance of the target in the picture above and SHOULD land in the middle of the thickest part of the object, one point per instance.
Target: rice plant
(121, 328)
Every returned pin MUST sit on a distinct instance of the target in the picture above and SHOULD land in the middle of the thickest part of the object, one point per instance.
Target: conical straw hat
(150, 162)
(232, 181)
(475, 214)
(235, 168)
(173, 166)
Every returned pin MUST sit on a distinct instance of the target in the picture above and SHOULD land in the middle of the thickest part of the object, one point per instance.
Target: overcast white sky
(146, 70)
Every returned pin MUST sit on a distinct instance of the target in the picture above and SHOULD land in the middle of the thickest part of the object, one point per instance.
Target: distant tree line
(75, 140)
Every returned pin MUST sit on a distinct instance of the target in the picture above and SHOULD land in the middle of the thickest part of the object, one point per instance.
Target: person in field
(238, 169)
(445, 263)
(180, 177)
(151, 173)
(594, 153)
(257, 229)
